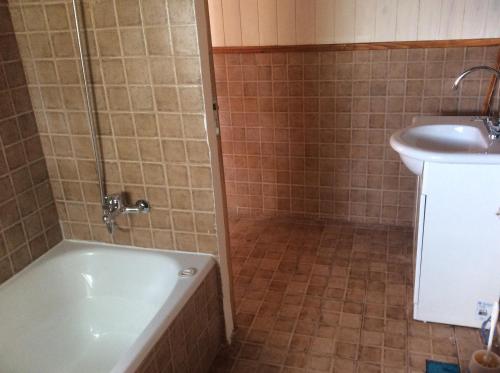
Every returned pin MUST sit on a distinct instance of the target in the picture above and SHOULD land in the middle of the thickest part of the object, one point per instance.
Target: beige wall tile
(166, 99)
(326, 153)
(181, 12)
(57, 17)
(162, 70)
(154, 12)
(147, 86)
(128, 12)
(26, 192)
(104, 14)
(133, 42)
(174, 151)
(108, 43)
(158, 41)
(184, 40)
(177, 175)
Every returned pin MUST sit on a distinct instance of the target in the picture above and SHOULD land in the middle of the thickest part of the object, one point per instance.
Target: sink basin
(445, 140)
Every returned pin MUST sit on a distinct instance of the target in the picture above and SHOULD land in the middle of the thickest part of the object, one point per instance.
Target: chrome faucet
(115, 205)
(491, 123)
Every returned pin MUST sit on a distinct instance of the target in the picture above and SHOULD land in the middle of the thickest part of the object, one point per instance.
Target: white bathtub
(90, 307)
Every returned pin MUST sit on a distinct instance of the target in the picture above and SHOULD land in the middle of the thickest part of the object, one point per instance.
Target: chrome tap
(491, 123)
(114, 205)
(472, 69)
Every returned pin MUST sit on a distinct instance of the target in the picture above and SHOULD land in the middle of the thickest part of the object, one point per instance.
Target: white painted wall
(293, 22)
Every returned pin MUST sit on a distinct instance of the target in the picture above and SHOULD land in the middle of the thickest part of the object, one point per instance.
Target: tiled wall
(292, 22)
(28, 216)
(192, 341)
(146, 76)
(308, 133)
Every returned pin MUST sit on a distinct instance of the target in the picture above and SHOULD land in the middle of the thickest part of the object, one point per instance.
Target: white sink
(445, 140)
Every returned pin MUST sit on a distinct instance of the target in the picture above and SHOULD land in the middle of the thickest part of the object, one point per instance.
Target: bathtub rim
(131, 358)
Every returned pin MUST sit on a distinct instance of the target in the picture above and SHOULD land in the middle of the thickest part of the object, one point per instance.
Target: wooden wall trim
(360, 46)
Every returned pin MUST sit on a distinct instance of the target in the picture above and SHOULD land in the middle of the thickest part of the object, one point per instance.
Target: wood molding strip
(360, 46)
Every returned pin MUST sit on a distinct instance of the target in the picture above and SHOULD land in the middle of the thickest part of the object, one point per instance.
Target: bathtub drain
(188, 272)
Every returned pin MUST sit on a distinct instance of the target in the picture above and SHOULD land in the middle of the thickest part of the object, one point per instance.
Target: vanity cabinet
(457, 248)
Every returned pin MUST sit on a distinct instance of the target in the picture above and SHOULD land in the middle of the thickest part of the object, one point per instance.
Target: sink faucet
(114, 205)
(491, 123)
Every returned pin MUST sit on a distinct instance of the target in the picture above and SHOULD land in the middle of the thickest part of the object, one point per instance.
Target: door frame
(213, 132)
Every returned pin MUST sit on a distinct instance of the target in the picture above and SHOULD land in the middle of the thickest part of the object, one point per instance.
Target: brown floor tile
(312, 296)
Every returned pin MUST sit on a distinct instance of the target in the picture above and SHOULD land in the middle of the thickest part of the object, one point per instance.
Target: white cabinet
(458, 243)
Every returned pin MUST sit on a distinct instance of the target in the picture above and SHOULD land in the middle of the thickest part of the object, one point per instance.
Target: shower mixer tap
(114, 205)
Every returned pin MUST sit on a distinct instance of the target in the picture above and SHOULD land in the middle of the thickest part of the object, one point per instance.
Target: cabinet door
(460, 255)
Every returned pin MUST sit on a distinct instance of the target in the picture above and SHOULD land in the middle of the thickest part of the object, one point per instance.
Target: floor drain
(187, 272)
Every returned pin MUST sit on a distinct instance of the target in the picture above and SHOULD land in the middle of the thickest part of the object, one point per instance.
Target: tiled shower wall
(146, 76)
(307, 134)
(28, 217)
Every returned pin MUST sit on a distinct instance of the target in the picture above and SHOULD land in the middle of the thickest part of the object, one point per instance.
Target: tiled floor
(312, 296)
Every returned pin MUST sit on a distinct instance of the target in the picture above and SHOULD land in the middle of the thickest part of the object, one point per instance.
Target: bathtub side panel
(192, 341)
